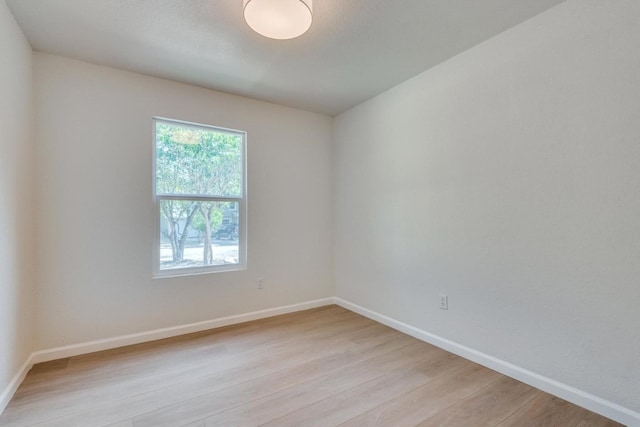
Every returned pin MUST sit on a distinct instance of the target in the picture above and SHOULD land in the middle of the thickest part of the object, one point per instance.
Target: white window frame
(242, 208)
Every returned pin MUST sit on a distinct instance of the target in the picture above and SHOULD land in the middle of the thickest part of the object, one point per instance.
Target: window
(200, 196)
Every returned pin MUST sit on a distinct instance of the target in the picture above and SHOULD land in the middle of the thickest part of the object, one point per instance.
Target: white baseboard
(571, 394)
(10, 390)
(157, 334)
(593, 403)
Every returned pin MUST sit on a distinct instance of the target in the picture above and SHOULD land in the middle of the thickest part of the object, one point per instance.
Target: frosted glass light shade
(279, 19)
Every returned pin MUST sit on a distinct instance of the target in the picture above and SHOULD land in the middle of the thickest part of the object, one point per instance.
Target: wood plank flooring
(322, 367)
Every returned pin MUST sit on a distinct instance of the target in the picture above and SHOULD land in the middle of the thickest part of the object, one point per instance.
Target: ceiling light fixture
(279, 19)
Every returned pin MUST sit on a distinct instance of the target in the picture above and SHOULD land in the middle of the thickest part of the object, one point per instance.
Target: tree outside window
(199, 189)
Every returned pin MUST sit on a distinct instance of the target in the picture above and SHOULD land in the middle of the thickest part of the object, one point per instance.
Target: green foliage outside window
(200, 163)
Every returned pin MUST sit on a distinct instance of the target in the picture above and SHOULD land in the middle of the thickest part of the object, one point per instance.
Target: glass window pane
(198, 233)
(193, 160)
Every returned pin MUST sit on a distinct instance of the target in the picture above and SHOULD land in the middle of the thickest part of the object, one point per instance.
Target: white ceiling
(354, 50)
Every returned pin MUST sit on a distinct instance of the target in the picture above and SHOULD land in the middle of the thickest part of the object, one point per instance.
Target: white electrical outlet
(260, 283)
(444, 302)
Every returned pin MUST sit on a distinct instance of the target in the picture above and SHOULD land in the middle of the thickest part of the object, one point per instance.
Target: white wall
(509, 178)
(96, 215)
(16, 178)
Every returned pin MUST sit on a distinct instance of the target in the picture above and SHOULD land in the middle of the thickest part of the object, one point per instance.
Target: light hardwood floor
(322, 367)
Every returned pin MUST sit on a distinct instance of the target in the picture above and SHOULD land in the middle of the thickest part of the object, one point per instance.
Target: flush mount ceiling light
(278, 19)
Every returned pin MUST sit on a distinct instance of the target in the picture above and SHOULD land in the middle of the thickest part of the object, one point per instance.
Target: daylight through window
(200, 198)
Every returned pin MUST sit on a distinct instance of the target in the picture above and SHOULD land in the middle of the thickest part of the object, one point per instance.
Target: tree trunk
(179, 254)
(172, 228)
(173, 237)
(207, 251)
